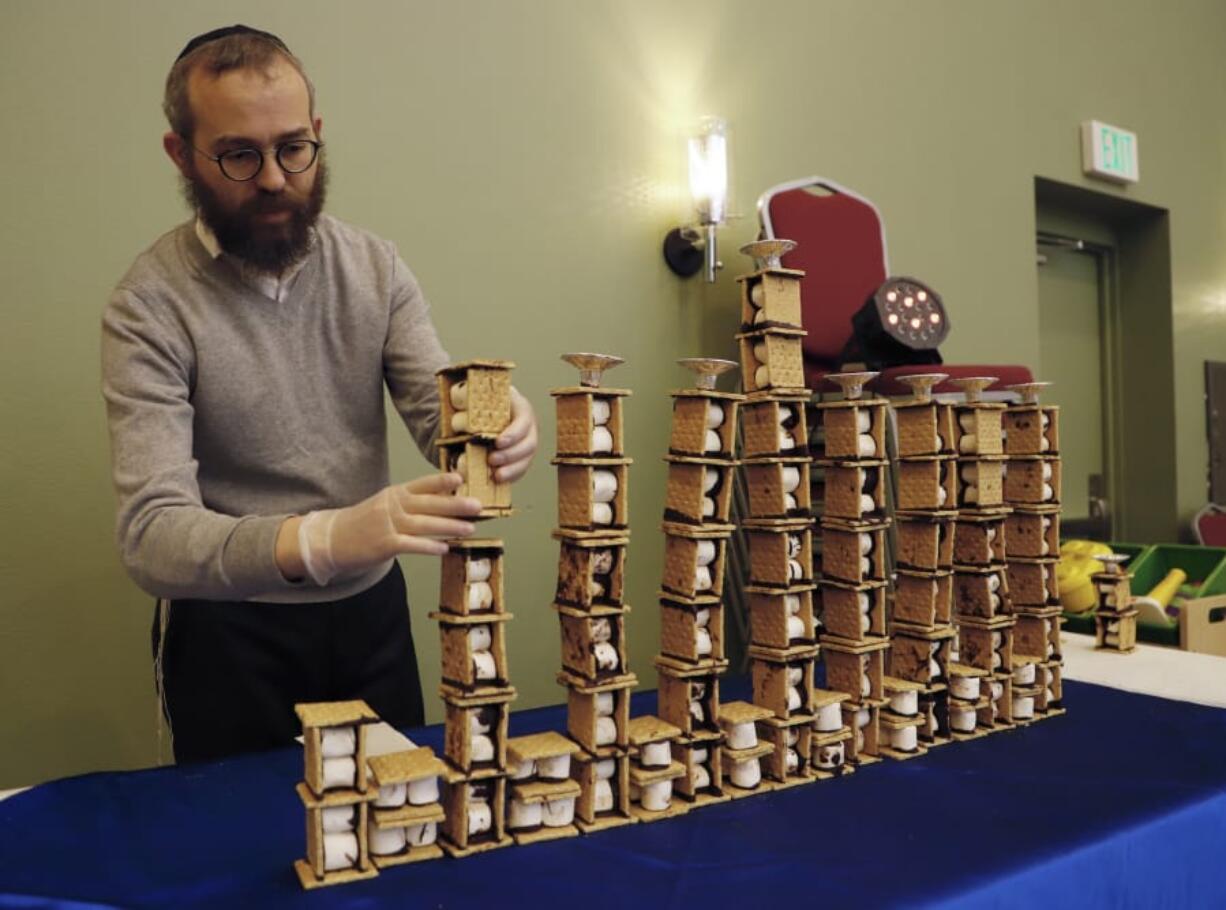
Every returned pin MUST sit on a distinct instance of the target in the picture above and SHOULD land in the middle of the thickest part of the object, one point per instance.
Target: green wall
(526, 156)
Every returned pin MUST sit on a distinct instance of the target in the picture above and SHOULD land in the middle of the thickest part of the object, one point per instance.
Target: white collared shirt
(272, 286)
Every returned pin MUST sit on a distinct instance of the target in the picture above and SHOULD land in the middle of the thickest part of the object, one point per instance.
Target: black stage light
(901, 324)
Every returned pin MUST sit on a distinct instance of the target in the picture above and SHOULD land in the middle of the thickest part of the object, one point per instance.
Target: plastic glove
(517, 443)
(402, 518)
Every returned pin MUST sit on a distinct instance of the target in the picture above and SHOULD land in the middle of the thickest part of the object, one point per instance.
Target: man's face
(265, 221)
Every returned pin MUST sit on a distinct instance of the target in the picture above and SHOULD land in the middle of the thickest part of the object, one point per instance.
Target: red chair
(842, 250)
(1209, 526)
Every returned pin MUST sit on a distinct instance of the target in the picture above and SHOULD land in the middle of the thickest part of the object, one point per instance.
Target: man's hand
(517, 444)
(403, 518)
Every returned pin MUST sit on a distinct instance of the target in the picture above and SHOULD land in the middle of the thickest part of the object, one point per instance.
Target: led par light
(902, 323)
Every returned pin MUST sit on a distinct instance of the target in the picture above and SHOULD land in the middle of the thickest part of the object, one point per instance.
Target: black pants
(232, 672)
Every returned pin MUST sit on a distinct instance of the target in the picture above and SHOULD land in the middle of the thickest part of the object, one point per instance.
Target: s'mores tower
(853, 560)
(1115, 618)
(983, 607)
(778, 533)
(698, 500)
(593, 532)
(922, 631)
(1032, 544)
(475, 406)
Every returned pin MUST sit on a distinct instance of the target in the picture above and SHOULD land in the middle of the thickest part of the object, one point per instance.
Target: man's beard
(266, 247)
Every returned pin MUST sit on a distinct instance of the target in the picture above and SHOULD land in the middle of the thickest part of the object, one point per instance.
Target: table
(1121, 802)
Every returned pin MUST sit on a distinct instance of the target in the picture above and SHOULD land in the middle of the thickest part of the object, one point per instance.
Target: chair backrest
(841, 248)
(1209, 525)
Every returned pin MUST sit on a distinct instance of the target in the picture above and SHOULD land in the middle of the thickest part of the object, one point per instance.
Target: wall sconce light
(689, 248)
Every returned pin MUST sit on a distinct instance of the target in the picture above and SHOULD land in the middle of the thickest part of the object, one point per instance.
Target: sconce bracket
(683, 255)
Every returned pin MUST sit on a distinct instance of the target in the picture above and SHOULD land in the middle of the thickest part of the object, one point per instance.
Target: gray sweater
(229, 411)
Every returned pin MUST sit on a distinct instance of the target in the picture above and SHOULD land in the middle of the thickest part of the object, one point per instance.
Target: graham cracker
(310, 871)
(841, 551)
(574, 407)
(578, 644)
(405, 766)
(841, 610)
(549, 744)
(405, 815)
(761, 427)
(577, 564)
(309, 881)
(647, 728)
(770, 687)
(923, 599)
(975, 642)
(457, 655)
(1025, 433)
(479, 482)
(542, 790)
(911, 657)
(684, 492)
(984, 419)
(821, 742)
(673, 697)
(679, 631)
(840, 420)
(925, 428)
(769, 562)
(454, 585)
(489, 396)
(1126, 630)
(920, 481)
(973, 593)
(581, 720)
(780, 290)
(689, 424)
(764, 486)
(683, 786)
(1033, 532)
(775, 732)
(315, 717)
(583, 769)
(681, 562)
(1032, 583)
(844, 484)
(768, 616)
(925, 541)
(675, 808)
(410, 855)
(985, 475)
(1112, 589)
(542, 834)
(1024, 481)
(980, 539)
(457, 740)
(454, 834)
(869, 751)
(784, 361)
(575, 499)
(843, 663)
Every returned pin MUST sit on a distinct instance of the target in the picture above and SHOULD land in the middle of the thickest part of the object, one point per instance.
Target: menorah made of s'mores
(983, 607)
(1115, 618)
(1032, 544)
(698, 499)
(363, 813)
(851, 457)
(475, 407)
(921, 623)
(593, 533)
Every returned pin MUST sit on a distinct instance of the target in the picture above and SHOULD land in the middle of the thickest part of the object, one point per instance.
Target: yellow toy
(1077, 564)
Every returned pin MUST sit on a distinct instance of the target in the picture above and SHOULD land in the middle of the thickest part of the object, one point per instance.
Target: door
(1071, 323)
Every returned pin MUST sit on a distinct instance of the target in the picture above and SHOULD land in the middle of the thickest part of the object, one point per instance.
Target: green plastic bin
(1083, 623)
(1205, 566)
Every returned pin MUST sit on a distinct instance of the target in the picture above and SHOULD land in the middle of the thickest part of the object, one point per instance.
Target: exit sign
(1109, 152)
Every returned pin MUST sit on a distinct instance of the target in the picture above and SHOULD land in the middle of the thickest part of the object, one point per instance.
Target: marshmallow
(715, 416)
(459, 422)
(786, 442)
(970, 493)
(994, 601)
(604, 486)
(942, 496)
(459, 395)
(484, 666)
(482, 747)
(962, 719)
(595, 589)
(702, 642)
(1024, 675)
(524, 815)
(997, 689)
(385, 841)
(794, 546)
(602, 513)
(1023, 706)
(746, 774)
(701, 778)
(556, 767)
(602, 439)
(792, 735)
(480, 596)
(866, 565)
(712, 442)
(903, 739)
(461, 465)
(866, 446)
(391, 796)
(602, 562)
(606, 731)
(866, 544)
(863, 716)
(796, 628)
(760, 352)
(794, 700)
(479, 721)
(829, 718)
(934, 669)
(793, 761)
(866, 686)
(997, 639)
(968, 444)
(708, 507)
(1112, 638)
(991, 534)
(997, 661)
(601, 629)
(338, 819)
(606, 768)
(1044, 444)
(480, 638)
(795, 675)
(478, 570)
(710, 479)
(604, 704)
(762, 377)
(705, 552)
(994, 581)
(480, 818)
(966, 687)
(791, 603)
(421, 835)
(862, 601)
(340, 851)
(657, 795)
(1046, 470)
(795, 570)
(742, 736)
(606, 656)
(867, 503)
(757, 294)
(702, 617)
(905, 703)
(656, 755)
(602, 796)
(702, 578)
(337, 742)
(1048, 492)
(790, 478)
(785, 414)
(831, 756)
(340, 772)
(524, 770)
(600, 411)
(789, 503)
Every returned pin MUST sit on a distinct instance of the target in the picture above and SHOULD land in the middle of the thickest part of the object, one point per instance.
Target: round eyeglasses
(241, 165)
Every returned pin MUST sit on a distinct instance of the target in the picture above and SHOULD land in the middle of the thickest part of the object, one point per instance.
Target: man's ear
(318, 123)
(178, 151)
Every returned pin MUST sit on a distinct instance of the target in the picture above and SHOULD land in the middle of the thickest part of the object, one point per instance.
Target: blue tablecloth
(1122, 802)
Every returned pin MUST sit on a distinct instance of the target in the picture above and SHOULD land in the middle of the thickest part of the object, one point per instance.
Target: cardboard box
(774, 427)
(1202, 625)
(487, 411)
(591, 570)
(575, 407)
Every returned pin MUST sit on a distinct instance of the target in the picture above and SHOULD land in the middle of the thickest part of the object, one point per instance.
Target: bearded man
(244, 358)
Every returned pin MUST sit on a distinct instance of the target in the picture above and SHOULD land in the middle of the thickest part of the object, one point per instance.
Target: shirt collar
(207, 238)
